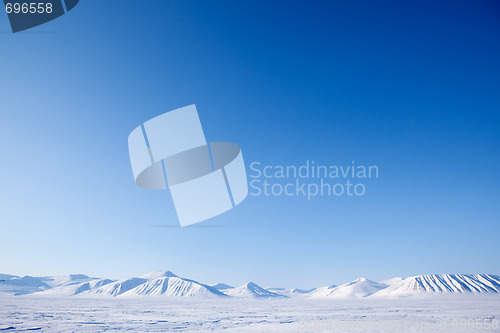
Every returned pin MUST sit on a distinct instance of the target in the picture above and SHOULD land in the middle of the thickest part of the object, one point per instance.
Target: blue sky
(410, 87)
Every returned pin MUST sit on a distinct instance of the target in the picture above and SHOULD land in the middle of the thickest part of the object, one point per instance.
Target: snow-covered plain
(463, 313)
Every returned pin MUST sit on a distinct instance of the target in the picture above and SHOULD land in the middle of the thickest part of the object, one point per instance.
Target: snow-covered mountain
(4, 277)
(66, 280)
(167, 284)
(62, 285)
(322, 291)
(294, 292)
(221, 286)
(173, 287)
(442, 284)
(75, 288)
(69, 285)
(392, 281)
(16, 285)
(356, 289)
(251, 290)
(157, 275)
(117, 287)
(158, 283)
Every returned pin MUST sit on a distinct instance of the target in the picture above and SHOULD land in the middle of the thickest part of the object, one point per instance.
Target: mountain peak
(221, 286)
(158, 274)
(361, 279)
(78, 276)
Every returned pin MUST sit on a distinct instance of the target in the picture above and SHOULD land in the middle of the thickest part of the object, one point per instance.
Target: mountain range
(167, 284)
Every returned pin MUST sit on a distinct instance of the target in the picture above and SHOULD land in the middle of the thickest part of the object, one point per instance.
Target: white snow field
(462, 313)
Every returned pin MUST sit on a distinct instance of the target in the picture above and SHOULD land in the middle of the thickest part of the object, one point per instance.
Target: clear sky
(410, 86)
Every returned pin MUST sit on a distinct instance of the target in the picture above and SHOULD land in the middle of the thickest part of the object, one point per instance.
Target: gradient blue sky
(413, 87)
